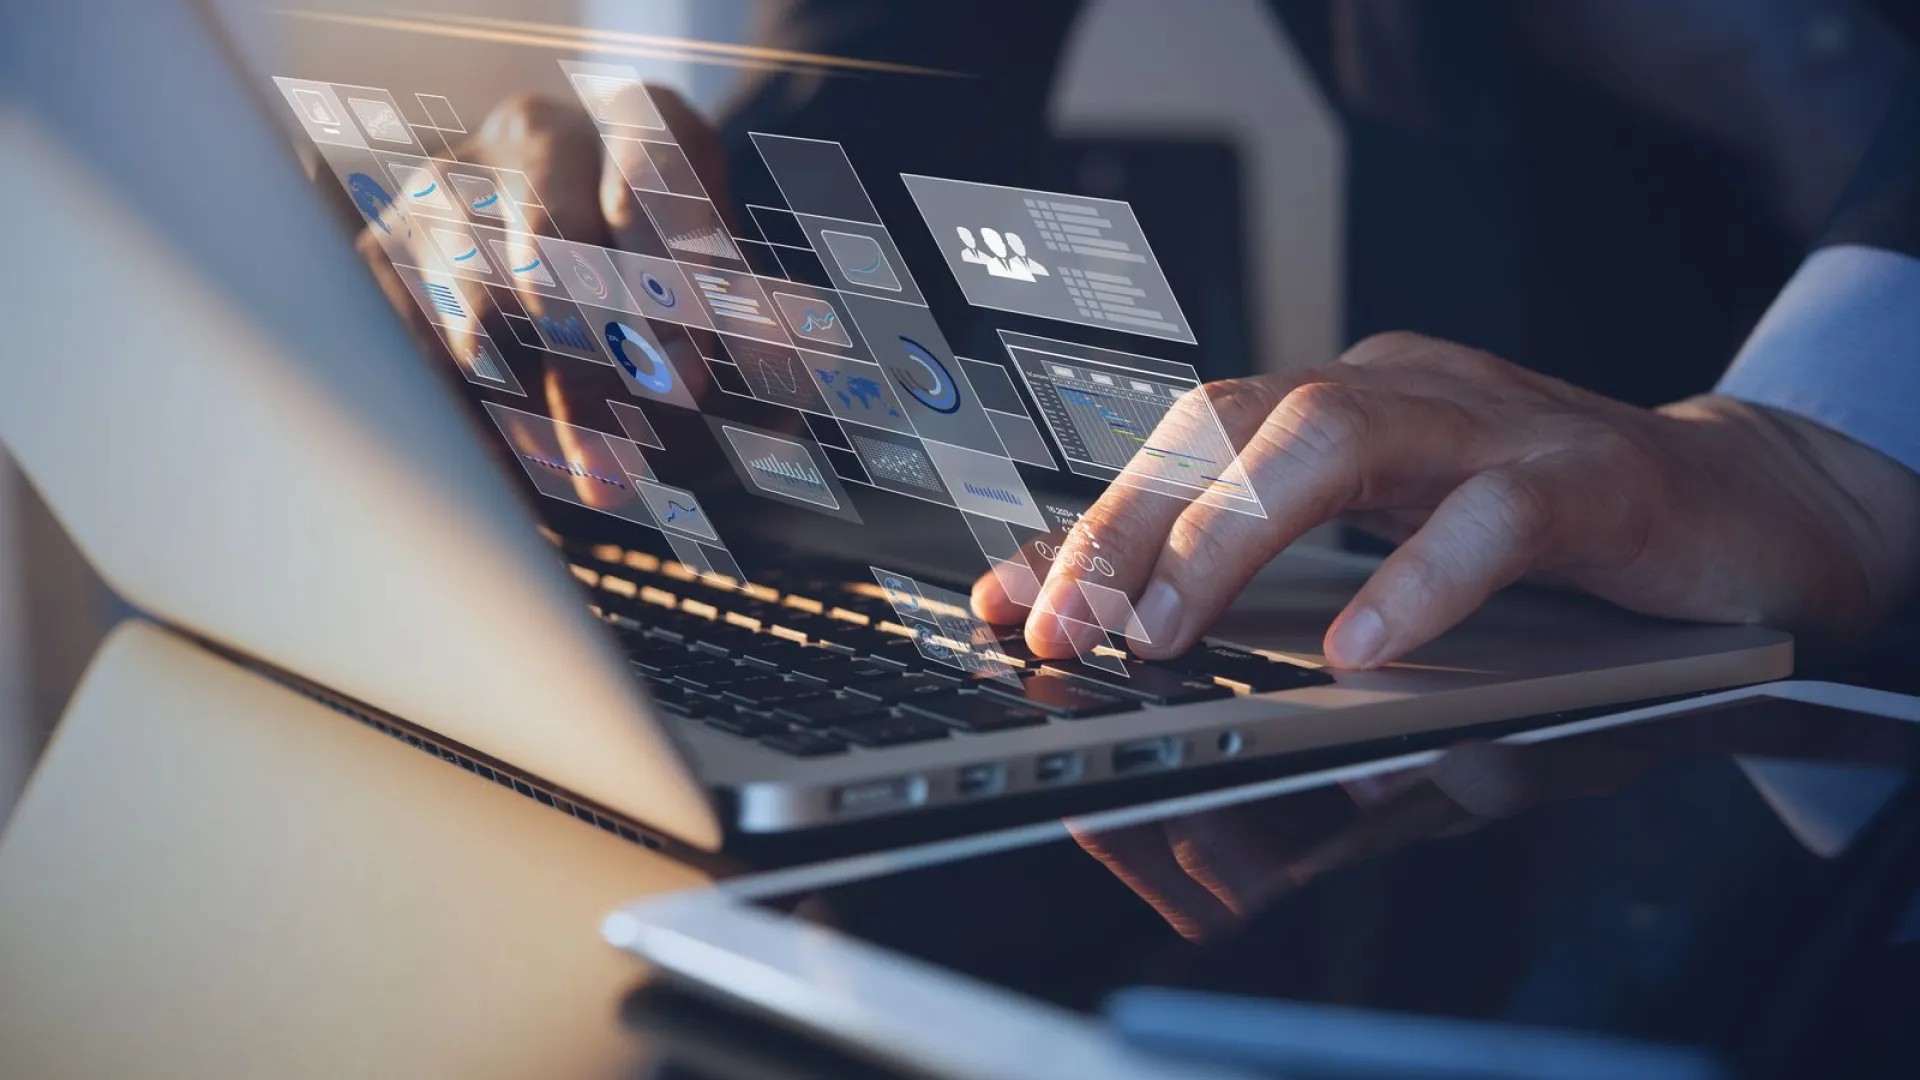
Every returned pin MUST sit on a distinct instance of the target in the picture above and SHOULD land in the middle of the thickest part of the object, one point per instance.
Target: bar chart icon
(781, 467)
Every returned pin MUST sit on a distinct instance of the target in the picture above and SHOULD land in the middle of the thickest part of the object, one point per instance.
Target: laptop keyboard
(811, 666)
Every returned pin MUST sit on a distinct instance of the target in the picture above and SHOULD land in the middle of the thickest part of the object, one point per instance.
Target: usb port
(874, 796)
(975, 780)
(1145, 755)
(1061, 768)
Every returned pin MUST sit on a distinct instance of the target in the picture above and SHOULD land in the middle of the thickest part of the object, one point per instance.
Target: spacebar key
(1161, 686)
(1058, 695)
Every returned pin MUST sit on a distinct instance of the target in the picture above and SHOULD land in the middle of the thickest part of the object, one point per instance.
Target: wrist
(1846, 516)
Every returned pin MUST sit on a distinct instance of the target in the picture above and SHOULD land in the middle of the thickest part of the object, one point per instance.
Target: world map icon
(865, 390)
(867, 393)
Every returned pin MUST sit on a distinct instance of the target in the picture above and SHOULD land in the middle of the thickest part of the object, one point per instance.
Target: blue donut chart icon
(652, 370)
(659, 291)
(926, 379)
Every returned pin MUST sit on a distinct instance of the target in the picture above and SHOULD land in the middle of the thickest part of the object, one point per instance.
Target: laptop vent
(452, 754)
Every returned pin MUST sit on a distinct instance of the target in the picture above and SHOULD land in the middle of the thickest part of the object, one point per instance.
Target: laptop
(720, 596)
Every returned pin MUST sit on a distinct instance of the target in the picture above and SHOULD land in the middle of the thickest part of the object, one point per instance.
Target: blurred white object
(15, 733)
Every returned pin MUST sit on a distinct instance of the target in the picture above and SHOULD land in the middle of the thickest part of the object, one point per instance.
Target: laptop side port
(877, 796)
(1061, 768)
(973, 781)
(1146, 755)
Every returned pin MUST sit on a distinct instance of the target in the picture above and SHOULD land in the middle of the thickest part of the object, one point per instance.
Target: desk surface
(213, 876)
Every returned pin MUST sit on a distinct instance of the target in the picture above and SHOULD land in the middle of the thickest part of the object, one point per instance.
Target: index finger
(1126, 527)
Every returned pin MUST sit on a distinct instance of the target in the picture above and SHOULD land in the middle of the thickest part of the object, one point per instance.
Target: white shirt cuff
(1841, 347)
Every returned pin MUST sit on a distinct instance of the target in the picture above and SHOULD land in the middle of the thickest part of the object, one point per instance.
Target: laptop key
(1058, 695)
(768, 690)
(891, 730)
(830, 669)
(1246, 670)
(725, 638)
(827, 712)
(804, 744)
(662, 690)
(777, 653)
(897, 688)
(712, 677)
(976, 713)
(746, 724)
(660, 658)
(1149, 682)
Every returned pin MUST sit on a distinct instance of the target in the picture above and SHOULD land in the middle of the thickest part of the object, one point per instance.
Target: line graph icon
(777, 374)
(813, 320)
(677, 509)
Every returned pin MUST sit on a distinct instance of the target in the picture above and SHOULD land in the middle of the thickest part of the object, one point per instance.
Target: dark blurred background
(1606, 190)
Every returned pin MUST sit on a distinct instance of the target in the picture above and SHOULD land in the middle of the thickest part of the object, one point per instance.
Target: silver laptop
(765, 477)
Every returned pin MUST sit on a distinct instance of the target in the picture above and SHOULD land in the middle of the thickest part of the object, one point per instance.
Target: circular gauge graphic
(900, 595)
(640, 358)
(588, 277)
(926, 379)
(371, 198)
(658, 291)
(931, 646)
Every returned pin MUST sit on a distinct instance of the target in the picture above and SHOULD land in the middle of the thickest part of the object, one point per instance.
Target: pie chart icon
(640, 358)
(925, 378)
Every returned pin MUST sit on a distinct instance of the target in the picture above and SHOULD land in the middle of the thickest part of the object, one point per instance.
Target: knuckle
(1509, 505)
(1389, 347)
(1401, 349)
(1321, 419)
(1610, 448)
(1199, 550)
(1124, 531)
(1466, 364)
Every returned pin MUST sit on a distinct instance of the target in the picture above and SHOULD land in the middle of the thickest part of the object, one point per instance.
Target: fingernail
(1358, 639)
(1159, 612)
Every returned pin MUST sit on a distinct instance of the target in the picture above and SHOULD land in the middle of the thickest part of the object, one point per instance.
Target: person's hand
(1708, 509)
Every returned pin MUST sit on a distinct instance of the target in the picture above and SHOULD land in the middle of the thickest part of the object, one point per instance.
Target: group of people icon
(1005, 257)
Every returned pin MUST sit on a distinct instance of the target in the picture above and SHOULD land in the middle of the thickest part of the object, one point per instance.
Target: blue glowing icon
(568, 333)
(856, 390)
(651, 370)
(926, 379)
(994, 493)
(659, 291)
(931, 646)
(444, 299)
(370, 197)
(901, 595)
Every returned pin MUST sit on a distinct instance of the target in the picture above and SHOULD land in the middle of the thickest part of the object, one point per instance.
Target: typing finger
(1126, 527)
(1489, 532)
(1326, 448)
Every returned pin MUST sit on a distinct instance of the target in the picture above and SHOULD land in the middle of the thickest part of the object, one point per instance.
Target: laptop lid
(213, 397)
